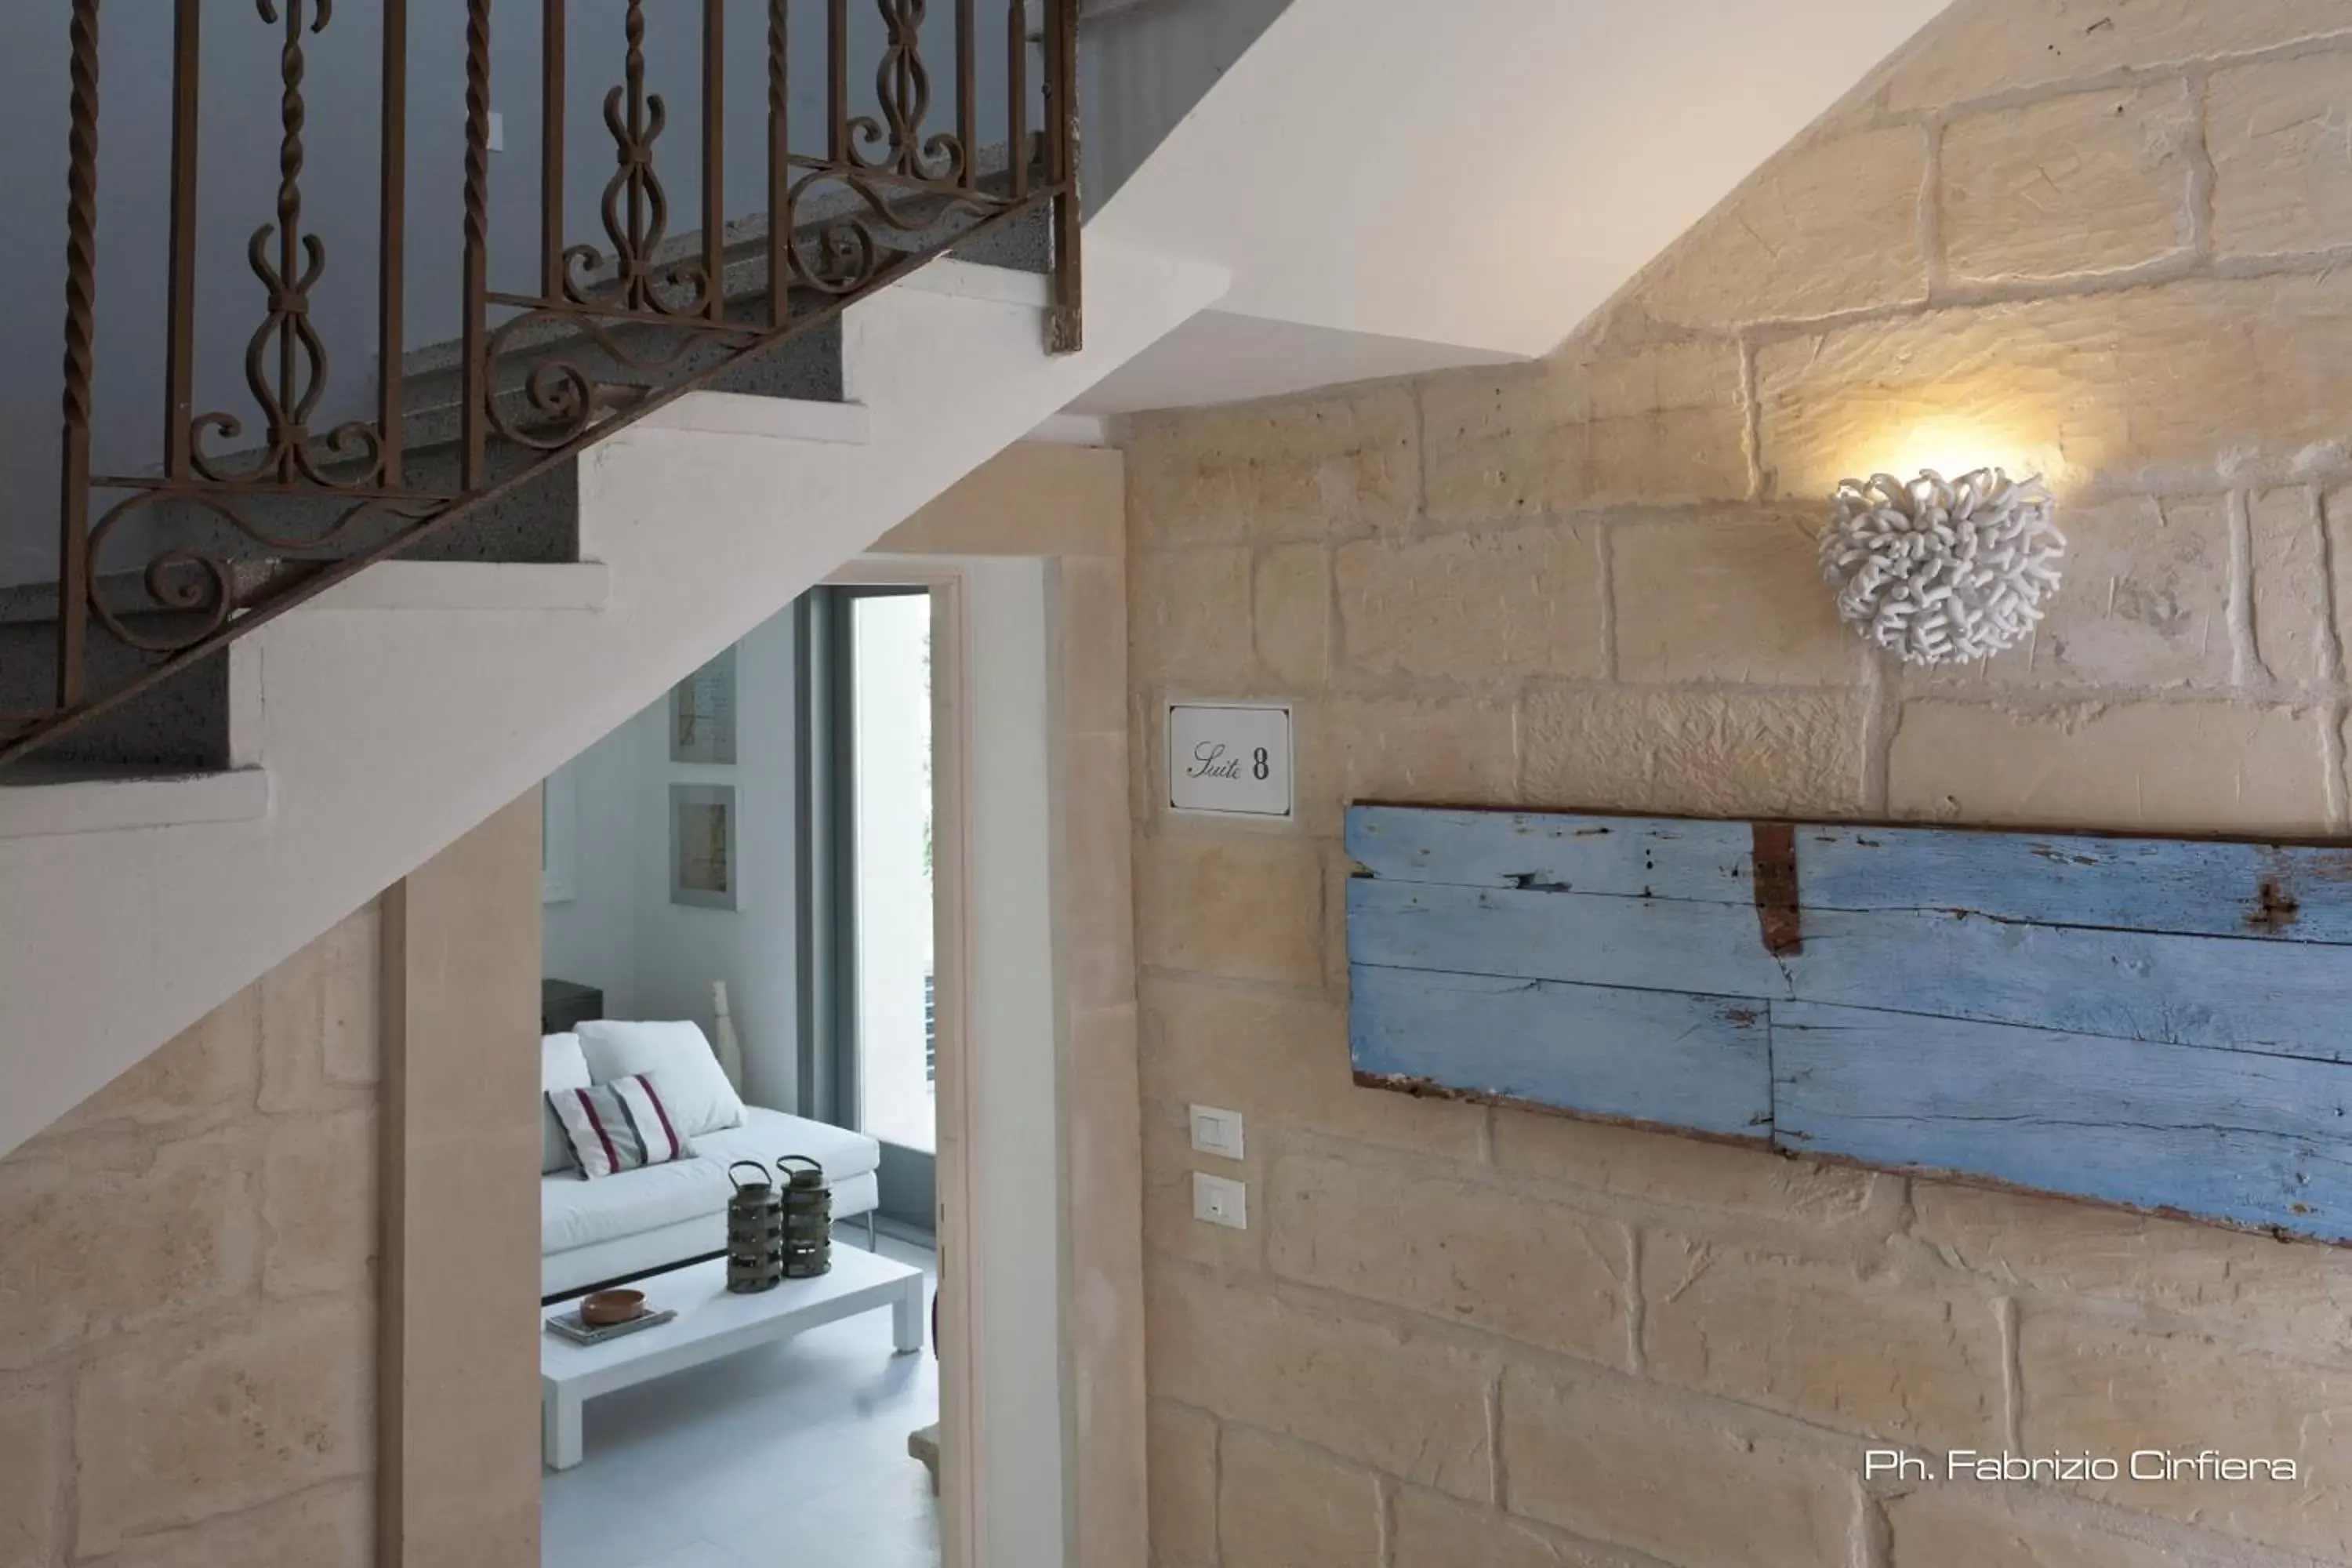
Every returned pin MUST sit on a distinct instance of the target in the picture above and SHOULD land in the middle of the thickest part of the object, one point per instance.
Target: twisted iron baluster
(81, 337)
(287, 403)
(636, 120)
(902, 84)
(779, 174)
(477, 243)
(292, 286)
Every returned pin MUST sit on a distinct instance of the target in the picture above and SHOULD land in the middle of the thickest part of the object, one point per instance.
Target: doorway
(991, 1062)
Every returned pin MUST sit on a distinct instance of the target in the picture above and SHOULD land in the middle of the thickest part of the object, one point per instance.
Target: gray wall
(655, 959)
(239, 179)
(1146, 63)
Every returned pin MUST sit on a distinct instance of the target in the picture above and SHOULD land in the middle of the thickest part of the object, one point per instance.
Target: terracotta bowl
(605, 1307)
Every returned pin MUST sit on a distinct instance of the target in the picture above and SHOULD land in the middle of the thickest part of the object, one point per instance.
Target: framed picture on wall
(702, 713)
(705, 866)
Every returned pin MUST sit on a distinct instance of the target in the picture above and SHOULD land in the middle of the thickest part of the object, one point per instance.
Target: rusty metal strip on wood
(1777, 907)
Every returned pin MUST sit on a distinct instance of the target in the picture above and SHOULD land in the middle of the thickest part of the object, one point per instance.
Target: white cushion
(677, 1059)
(574, 1212)
(767, 1136)
(560, 1065)
(618, 1127)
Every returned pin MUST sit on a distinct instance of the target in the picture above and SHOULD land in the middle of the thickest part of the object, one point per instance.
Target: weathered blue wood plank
(2301, 893)
(2293, 998)
(1699, 1062)
(2166, 1025)
(1632, 857)
(2258, 891)
(2257, 1141)
(1658, 944)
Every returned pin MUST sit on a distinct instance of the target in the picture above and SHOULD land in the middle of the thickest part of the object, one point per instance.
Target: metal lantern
(755, 1233)
(808, 1217)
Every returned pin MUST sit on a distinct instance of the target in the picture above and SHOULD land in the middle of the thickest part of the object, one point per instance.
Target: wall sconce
(1943, 571)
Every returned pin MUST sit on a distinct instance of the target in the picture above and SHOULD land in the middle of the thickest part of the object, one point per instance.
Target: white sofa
(591, 1232)
(595, 1231)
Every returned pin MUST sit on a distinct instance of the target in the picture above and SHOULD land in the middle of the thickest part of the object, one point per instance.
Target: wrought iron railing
(165, 562)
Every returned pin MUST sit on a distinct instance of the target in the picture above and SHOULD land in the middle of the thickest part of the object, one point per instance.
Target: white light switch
(1216, 1131)
(1219, 1201)
(497, 131)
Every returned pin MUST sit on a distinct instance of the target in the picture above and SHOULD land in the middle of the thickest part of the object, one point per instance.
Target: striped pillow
(617, 1126)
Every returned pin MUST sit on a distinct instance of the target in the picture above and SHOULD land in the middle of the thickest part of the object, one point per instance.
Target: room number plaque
(1230, 759)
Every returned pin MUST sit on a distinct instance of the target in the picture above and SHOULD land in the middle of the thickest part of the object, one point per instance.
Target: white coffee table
(712, 1324)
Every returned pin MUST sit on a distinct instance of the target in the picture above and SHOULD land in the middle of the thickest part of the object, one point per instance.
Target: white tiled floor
(790, 1457)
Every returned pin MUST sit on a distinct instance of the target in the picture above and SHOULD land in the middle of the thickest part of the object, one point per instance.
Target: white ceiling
(1397, 186)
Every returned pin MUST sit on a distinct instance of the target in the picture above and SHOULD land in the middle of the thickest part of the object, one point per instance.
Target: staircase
(175, 823)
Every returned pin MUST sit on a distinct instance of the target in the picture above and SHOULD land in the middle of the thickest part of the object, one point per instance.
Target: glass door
(870, 1038)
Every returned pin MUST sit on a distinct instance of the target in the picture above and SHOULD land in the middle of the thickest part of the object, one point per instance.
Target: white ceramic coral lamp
(1940, 571)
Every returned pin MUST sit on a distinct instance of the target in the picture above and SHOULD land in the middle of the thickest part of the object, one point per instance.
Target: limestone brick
(1662, 422)
(1182, 1446)
(1452, 751)
(2144, 602)
(195, 1428)
(1826, 226)
(1433, 1531)
(1399, 1402)
(330, 1527)
(34, 1440)
(2092, 182)
(2112, 1388)
(2284, 1291)
(1821, 1339)
(2289, 560)
(1474, 606)
(1498, 441)
(1190, 622)
(318, 1202)
(1536, 1272)
(1970, 1526)
(92, 1248)
(1690, 1486)
(2179, 767)
(1686, 453)
(2337, 528)
(1728, 597)
(1629, 1163)
(1245, 905)
(1340, 465)
(2163, 379)
(1709, 753)
(2281, 182)
(1281, 1506)
(1982, 47)
(1291, 607)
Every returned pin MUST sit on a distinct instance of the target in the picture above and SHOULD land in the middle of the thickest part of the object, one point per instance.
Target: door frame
(964, 1457)
(1061, 509)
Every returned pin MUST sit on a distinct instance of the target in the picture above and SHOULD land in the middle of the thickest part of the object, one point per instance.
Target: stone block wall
(2104, 240)
(187, 1299)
